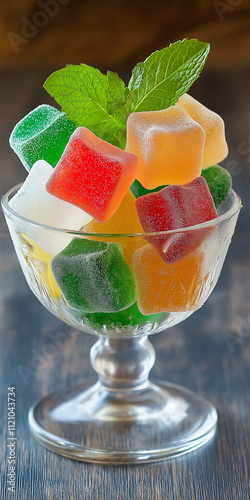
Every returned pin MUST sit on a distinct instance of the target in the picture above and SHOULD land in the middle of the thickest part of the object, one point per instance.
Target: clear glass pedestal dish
(126, 418)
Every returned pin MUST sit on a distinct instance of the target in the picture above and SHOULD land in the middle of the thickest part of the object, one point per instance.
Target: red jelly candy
(93, 174)
(176, 207)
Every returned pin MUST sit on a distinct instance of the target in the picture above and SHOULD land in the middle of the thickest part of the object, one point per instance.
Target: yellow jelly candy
(215, 149)
(39, 261)
(168, 287)
(169, 144)
(124, 221)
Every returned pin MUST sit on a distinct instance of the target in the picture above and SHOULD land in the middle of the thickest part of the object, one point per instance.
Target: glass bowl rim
(236, 205)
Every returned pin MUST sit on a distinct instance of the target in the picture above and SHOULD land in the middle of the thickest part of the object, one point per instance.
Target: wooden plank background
(208, 353)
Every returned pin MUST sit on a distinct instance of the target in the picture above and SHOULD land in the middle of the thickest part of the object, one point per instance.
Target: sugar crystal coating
(124, 221)
(219, 182)
(172, 287)
(176, 207)
(93, 174)
(215, 149)
(93, 276)
(92, 178)
(41, 135)
(169, 144)
(33, 202)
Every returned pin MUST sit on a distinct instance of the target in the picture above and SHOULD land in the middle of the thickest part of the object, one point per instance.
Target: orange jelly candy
(124, 221)
(173, 287)
(215, 149)
(169, 145)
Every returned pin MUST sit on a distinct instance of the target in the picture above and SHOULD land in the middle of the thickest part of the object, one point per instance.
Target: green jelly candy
(41, 135)
(94, 277)
(219, 182)
(128, 317)
(138, 190)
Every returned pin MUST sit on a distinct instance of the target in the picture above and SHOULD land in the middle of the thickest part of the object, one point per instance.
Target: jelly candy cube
(169, 144)
(215, 149)
(124, 221)
(176, 207)
(172, 287)
(219, 182)
(94, 277)
(32, 201)
(93, 174)
(41, 135)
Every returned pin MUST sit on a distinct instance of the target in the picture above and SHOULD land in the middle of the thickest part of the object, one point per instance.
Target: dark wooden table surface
(208, 353)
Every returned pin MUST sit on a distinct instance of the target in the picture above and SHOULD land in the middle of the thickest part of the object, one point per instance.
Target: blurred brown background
(119, 33)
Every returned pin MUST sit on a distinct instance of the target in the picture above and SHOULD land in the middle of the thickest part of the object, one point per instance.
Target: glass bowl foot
(106, 426)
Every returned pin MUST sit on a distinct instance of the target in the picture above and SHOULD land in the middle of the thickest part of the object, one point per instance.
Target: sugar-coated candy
(219, 182)
(33, 202)
(169, 144)
(41, 135)
(172, 287)
(93, 174)
(93, 276)
(124, 221)
(39, 264)
(215, 149)
(176, 207)
(122, 319)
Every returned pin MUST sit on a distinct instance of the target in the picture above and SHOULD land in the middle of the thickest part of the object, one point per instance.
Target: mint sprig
(165, 75)
(83, 94)
(116, 92)
(102, 103)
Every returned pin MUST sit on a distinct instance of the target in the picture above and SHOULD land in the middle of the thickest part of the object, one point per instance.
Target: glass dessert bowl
(124, 417)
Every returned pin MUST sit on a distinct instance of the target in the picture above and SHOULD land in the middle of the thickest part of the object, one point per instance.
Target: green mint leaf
(137, 74)
(139, 190)
(118, 138)
(115, 92)
(165, 75)
(82, 93)
(116, 99)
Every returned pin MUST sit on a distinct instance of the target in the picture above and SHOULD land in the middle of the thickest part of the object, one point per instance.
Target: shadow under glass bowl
(123, 287)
